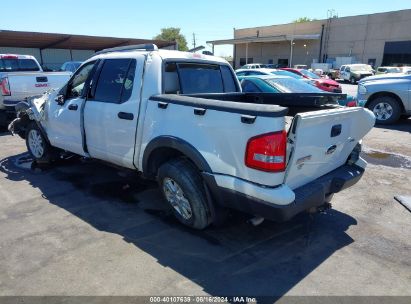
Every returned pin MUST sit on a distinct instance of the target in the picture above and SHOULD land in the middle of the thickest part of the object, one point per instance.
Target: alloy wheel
(175, 196)
(36, 143)
(383, 111)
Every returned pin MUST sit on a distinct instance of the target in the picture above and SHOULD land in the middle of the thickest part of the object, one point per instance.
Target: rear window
(18, 65)
(198, 78)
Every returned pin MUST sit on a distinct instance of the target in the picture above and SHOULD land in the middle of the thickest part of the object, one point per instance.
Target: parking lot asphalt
(85, 228)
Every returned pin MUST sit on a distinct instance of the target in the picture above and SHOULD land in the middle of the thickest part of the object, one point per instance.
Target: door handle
(73, 107)
(331, 150)
(126, 116)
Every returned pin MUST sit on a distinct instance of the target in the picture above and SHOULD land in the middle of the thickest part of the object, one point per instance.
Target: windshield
(76, 65)
(361, 68)
(309, 74)
(286, 73)
(291, 85)
(393, 70)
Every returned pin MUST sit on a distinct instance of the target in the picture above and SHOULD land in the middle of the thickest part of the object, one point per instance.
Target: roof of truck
(164, 54)
(15, 56)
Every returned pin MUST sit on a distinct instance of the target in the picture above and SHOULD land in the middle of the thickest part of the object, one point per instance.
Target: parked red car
(324, 84)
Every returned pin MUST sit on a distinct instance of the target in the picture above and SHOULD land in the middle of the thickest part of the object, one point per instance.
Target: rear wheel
(37, 145)
(386, 110)
(182, 187)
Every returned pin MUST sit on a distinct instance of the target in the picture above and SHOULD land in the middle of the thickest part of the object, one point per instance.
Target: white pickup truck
(21, 77)
(181, 119)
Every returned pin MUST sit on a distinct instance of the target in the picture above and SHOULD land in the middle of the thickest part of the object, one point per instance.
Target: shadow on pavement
(404, 125)
(4, 132)
(235, 259)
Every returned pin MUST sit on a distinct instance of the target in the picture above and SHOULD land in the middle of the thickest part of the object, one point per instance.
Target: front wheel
(386, 110)
(37, 145)
(182, 187)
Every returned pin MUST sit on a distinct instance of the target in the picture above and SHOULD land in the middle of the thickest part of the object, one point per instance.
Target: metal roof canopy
(278, 38)
(66, 41)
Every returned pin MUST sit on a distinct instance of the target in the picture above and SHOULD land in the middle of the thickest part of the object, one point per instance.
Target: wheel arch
(382, 94)
(164, 148)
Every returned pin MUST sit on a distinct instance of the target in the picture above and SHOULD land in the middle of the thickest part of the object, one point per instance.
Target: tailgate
(321, 141)
(24, 85)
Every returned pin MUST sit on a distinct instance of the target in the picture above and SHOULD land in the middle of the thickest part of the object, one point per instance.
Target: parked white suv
(181, 119)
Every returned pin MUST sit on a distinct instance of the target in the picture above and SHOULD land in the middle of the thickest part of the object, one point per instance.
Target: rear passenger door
(111, 110)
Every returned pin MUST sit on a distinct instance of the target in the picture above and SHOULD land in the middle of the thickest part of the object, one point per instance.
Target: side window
(347, 69)
(249, 87)
(114, 80)
(76, 85)
(129, 82)
(228, 79)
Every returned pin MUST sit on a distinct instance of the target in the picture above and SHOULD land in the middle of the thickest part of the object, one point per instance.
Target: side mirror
(60, 99)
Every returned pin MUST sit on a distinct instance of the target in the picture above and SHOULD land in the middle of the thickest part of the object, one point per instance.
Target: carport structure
(289, 39)
(37, 43)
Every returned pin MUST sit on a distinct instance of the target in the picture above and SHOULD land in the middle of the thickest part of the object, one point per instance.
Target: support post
(246, 53)
(41, 58)
(291, 52)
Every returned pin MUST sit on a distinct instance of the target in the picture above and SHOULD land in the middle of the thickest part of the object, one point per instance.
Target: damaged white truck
(181, 119)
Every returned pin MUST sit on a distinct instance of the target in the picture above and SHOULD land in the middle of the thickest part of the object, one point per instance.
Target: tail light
(5, 87)
(267, 152)
(352, 103)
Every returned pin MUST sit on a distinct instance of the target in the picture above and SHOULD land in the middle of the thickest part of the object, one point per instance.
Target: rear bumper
(310, 195)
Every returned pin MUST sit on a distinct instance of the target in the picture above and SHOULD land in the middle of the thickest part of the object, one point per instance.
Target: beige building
(377, 39)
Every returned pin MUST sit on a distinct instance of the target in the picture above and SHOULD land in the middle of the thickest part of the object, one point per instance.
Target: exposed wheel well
(160, 156)
(163, 148)
(382, 94)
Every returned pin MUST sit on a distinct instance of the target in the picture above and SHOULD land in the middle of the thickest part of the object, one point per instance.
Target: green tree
(304, 19)
(173, 34)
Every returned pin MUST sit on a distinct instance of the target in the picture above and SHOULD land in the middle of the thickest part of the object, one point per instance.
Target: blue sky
(210, 20)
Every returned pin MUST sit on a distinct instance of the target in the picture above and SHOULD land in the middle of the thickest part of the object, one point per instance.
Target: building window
(243, 61)
(397, 53)
(283, 62)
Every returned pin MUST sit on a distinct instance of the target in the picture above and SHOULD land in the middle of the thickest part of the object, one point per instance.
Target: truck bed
(295, 102)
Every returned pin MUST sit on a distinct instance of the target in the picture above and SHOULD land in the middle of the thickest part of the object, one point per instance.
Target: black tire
(182, 173)
(47, 151)
(396, 109)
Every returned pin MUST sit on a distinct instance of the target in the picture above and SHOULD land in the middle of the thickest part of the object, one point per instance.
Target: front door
(111, 111)
(64, 121)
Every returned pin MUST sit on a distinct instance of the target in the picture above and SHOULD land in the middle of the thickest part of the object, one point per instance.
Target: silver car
(387, 96)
